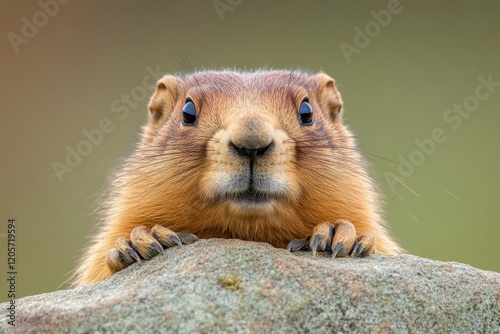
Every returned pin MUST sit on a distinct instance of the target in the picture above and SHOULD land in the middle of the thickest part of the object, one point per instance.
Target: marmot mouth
(253, 197)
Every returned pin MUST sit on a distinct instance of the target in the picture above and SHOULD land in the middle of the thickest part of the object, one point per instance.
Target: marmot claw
(144, 244)
(339, 239)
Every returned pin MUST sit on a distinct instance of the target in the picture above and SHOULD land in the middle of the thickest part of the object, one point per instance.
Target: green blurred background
(396, 88)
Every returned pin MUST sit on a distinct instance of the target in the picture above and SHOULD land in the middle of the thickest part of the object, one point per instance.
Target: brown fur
(175, 175)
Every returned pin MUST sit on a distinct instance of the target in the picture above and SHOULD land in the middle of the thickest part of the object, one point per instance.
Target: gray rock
(247, 287)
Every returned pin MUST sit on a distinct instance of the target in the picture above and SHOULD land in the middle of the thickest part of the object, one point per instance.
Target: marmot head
(246, 153)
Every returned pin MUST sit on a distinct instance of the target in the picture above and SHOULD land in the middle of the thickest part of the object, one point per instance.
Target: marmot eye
(305, 113)
(189, 113)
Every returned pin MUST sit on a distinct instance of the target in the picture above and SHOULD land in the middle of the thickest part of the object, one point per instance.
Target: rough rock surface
(247, 287)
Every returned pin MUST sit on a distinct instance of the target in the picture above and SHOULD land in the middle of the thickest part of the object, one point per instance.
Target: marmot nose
(250, 152)
(251, 137)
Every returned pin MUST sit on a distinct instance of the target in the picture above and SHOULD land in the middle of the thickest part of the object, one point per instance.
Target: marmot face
(259, 150)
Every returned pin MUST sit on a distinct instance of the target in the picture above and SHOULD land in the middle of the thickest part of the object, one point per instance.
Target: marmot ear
(163, 100)
(328, 96)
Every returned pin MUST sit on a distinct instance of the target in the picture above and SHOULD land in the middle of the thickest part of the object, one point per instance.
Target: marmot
(261, 156)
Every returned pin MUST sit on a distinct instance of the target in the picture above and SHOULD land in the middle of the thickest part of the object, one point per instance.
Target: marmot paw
(144, 245)
(339, 239)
